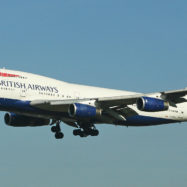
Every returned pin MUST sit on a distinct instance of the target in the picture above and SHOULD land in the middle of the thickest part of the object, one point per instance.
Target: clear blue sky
(123, 44)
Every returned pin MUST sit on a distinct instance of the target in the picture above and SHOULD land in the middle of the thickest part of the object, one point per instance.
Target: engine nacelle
(16, 120)
(149, 104)
(83, 110)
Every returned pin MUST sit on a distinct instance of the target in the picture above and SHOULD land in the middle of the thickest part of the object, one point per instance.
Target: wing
(103, 102)
(175, 96)
(56, 105)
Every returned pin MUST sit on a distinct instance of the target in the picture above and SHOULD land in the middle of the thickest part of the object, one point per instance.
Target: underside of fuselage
(24, 108)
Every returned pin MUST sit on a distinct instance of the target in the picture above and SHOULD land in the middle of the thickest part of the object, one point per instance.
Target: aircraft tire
(59, 135)
(77, 132)
(54, 129)
(94, 132)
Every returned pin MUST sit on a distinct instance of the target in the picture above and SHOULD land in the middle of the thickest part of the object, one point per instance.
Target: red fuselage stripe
(8, 75)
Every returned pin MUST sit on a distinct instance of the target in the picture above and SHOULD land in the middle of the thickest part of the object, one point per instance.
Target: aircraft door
(23, 93)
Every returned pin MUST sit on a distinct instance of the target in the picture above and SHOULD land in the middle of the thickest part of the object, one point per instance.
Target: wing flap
(119, 100)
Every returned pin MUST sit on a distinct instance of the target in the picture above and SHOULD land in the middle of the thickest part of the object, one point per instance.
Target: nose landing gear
(57, 130)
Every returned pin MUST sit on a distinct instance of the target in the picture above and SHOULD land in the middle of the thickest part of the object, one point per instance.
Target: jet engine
(16, 120)
(149, 104)
(83, 110)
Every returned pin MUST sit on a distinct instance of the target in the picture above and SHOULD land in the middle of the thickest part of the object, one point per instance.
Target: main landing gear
(57, 130)
(85, 131)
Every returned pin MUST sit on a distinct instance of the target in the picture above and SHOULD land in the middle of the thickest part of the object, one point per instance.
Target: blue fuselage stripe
(24, 107)
(139, 120)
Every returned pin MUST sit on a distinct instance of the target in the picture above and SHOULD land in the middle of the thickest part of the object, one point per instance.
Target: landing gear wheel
(59, 135)
(77, 132)
(54, 129)
(82, 135)
(94, 132)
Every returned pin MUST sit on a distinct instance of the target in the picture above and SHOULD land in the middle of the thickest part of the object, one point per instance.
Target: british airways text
(20, 85)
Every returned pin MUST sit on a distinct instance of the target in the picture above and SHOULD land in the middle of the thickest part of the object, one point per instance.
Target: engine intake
(149, 104)
(83, 111)
(16, 120)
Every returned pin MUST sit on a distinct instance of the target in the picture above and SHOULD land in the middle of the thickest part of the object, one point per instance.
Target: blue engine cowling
(16, 120)
(83, 111)
(149, 104)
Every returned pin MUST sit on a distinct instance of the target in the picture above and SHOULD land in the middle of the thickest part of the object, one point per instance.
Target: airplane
(34, 100)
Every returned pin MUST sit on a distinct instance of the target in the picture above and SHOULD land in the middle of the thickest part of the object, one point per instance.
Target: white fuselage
(17, 85)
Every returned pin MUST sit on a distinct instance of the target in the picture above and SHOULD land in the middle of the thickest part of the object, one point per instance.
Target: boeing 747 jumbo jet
(33, 100)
